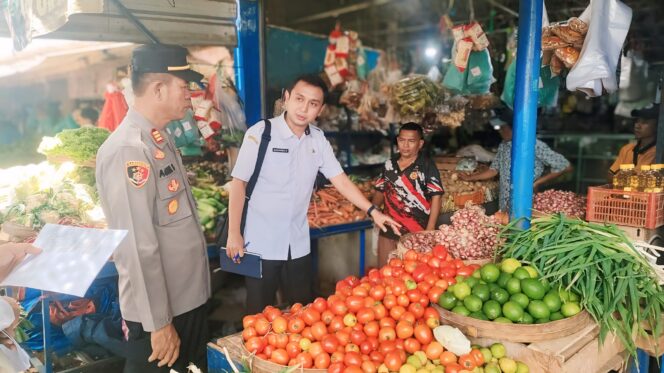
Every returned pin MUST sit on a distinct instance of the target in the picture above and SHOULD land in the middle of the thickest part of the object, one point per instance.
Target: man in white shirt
(276, 219)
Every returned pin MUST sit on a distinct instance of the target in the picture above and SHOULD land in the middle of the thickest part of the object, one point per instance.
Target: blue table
(357, 226)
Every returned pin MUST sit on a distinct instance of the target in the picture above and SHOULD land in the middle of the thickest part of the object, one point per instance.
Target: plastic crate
(634, 209)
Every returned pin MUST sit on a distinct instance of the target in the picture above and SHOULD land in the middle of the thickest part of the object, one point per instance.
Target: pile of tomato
(369, 322)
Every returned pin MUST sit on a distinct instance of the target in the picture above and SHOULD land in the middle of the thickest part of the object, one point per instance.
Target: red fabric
(114, 111)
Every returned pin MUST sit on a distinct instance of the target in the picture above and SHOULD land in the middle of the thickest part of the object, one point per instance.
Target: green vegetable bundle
(79, 145)
(617, 285)
(412, 95)
(211, 203)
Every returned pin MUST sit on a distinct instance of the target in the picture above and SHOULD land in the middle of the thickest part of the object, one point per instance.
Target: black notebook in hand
(250, 264)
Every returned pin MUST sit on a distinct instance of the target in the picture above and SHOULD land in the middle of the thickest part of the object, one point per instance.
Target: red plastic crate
(634, 209)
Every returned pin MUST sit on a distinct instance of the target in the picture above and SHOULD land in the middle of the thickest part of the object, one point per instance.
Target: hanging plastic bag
(548, 87)
(595, 70)
(480, 73)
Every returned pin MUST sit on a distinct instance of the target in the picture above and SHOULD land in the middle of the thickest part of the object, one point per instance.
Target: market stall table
(357, 226)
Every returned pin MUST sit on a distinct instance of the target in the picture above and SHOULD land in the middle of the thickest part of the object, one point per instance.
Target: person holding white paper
(12, 254)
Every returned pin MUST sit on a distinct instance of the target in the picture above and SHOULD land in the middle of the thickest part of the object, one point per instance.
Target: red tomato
(386, 271)
(424, 287)
(262, 326)
(353, 359)
(248, 333)
(255, 345)
(390, 301)
(318, 330)
(377, 357)
(380, 311)
(279, 356)
(395, 263)
(465, 271)
(268, 350)
(434, 262)
(431, 312)
(458, 263)
(369, 302)
(386, 334)
(337, 357)
(417, 310)
(320, 304)
(365, 316)
(293, 349)
(435, 293)
(410, 255)
(306, 333)
(330, 343)
(411, 345)
(366, 348)
(414, 295)
(327, 316)
(354, 303)
(387, 322)
(423, 334)
(281, 340)
(404, 329)
(371, 329)
(295, 325)
(339, 308)
(433, 322)
(440, 252)
(336, 324)
(374, 342)
(374, 275)
(322, 361)
(409, 266)
(279, 325)
(398, 288)
(397, 311)
(305, 360)
(262, 356)
(477, 356)
(467, 362)
(420, 272)
(402, 300)
(448, 272)
(442, 283)
(310, 316)
(369, 366)
(377, 292)
(248, 321)
(315, 349)
(336, 367)
(296, 308)
(387, 346)
(271, 313)
(361, 291)
(357, 337)
(297, 337)
(433, 350)
(453, 368)
(353, 369)
(352, 281)
(352, 347)
(451, 280)
(393, 361)
(397, 272)
(343, 337)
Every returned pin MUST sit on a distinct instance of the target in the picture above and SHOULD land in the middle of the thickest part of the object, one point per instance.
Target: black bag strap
(251, 184)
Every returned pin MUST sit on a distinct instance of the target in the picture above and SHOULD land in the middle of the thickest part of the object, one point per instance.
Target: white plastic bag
(608, 27)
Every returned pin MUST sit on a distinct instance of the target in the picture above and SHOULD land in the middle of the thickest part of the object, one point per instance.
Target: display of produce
(411, 96)
(329, 207)
(617, 285)
(456, 189)
(554, 201)
(78, 145)
(509, 293)
(472, 234)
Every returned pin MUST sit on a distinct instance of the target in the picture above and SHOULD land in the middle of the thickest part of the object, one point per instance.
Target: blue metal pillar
(525, 107)
(250, 58)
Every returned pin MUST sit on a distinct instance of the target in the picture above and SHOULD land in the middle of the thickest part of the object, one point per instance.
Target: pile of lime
(509, 292)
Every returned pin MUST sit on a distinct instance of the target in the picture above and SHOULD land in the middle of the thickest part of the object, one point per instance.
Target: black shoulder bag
(222, 234)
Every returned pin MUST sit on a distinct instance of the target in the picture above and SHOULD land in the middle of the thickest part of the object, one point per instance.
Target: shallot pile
(557, 201)
(421, 242)
(472, 235)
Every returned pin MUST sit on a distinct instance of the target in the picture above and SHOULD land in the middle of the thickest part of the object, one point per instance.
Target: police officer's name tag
(280, 150)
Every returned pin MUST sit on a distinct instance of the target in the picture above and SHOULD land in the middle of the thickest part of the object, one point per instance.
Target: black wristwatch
(371, 209)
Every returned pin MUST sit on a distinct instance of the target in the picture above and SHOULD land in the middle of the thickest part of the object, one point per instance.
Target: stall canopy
(191, 22)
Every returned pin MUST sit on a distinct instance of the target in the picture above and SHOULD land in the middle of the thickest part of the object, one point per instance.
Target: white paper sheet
(70, 260)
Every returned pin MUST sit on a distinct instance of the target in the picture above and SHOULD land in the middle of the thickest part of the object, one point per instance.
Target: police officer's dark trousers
(192, 328)
(292, 276)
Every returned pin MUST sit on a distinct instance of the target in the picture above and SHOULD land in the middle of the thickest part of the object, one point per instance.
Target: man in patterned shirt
(501, 165)
(410, 189)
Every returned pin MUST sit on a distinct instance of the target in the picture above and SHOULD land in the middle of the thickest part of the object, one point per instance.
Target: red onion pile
(420, 242)
(472, 235)
(557, 201)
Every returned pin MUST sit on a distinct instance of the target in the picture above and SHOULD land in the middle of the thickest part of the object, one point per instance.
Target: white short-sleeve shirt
(277, 212)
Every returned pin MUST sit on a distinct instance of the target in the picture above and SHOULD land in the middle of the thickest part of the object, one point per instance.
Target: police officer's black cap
(651, 112)
(163, 58)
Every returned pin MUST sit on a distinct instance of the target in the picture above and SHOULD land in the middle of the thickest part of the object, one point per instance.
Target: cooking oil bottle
(658, 173)
(630, 178)
(646, 179)
(621, 179)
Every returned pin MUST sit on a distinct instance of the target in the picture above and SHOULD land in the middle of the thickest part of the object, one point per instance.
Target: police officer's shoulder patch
(138, 173)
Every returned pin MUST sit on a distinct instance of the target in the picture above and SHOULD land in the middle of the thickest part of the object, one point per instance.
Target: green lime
(531, 271)
(526, 319)
(477, 275)
(513, 285)
(503, 278)
(521, 273)
(493, 287)
(478, 316)
(574, 297)
(486, 353)
(552, 301)
(460, 278)
(556, 316)
(461, 310)
(570, 309)
(542, 321)
(546, 283)
(509, 265)
(471, 281)
(490, 272)
(492, 309)
(503, 320)
(533, 288)
(539, 310)
(522, 368)
(450, 289)
(500, 295)
(568, 296)
(520, 299)
(512, 311)
(498, 350)
(461, 290)
(447, 300)
(482, 291)
(473, 303)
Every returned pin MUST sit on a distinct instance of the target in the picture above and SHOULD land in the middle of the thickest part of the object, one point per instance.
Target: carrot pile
(329, 207)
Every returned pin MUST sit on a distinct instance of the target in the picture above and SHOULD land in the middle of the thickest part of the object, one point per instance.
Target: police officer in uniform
(164, 280)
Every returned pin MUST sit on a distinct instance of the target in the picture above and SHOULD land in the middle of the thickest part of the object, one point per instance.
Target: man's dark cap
(651, 112)
(163, 58)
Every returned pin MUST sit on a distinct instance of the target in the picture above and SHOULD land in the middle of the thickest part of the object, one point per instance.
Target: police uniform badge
(173, 186)
(158, 154)
(156, 136)
(138, 173)
(413, 175)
